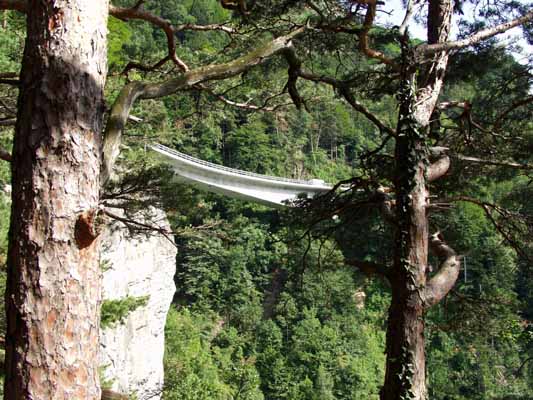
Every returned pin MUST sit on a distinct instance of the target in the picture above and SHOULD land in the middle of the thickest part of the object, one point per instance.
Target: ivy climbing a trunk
(411, 292)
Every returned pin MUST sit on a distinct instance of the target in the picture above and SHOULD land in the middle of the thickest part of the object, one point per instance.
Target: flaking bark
(53, 288)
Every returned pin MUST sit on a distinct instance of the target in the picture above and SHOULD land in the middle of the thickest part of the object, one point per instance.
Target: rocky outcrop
(131, 350)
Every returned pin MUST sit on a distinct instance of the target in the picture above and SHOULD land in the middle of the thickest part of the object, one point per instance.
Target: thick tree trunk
(53, 292)
(405, 376)
(405, 368)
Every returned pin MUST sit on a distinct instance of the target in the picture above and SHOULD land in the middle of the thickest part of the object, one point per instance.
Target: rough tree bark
(405, 368)
(405, 376)
(53, 289)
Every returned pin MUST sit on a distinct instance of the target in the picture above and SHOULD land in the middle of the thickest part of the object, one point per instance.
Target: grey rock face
(131, 351)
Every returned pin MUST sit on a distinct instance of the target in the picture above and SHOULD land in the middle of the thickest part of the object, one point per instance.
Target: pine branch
(438, 169)
(130, 223)
(444, 280)
(508, 164)
(188, 79)
(368, 23)
(515, 105)
(512, 222)
(429, 49)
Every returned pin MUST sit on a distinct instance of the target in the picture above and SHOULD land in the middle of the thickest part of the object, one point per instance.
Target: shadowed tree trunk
(53, 289)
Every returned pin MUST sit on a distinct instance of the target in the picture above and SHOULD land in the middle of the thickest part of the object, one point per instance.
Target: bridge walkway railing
(160, 148)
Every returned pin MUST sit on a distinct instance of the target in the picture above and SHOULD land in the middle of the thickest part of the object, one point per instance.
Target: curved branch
(136, 12)
(444, 280)
(164, 24)
(412, 7)
(512, 218)
(375, 151)
(341, 86)
(145, 68)
(141, 90)
(140, 14)
(518, 372)
(513, 106)
(235, 5)
(428, 49)
(347, 94)
(204, 28)
(364, 46)
(438, 169)
(141, 226)
(247, 105)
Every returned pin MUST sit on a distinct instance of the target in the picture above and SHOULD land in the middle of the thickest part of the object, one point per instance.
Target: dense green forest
(266, 308)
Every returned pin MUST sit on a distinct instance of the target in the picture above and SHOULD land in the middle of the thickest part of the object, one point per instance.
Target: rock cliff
(131, 350)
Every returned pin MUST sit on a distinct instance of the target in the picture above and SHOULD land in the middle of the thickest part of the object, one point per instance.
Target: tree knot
(84, 230)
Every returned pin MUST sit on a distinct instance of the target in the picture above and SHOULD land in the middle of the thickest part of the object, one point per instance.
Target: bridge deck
(270, 190)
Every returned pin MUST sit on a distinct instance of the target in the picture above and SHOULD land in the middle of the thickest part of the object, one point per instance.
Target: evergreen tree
(280, 50)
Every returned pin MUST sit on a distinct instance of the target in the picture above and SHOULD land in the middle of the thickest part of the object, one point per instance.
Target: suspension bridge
(269, 190)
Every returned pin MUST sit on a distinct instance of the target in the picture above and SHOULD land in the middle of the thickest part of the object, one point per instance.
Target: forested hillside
(267, 306)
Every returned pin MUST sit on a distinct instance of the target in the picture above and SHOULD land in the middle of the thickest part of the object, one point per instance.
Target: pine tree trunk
(53, 290)
(405, 376)
(405, 367)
